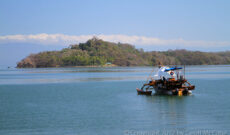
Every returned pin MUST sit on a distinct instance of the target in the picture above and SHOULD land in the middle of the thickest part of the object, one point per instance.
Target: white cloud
(61, 39)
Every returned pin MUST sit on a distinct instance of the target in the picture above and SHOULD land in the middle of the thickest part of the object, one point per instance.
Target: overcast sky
(150, 24)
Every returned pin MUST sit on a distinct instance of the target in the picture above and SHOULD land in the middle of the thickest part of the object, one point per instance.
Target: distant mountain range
(96, 52)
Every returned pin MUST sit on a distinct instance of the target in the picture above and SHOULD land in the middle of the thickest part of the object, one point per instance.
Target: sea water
(104, 101)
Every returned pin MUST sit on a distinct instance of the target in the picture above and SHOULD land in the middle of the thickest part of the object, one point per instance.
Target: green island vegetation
(96, 52)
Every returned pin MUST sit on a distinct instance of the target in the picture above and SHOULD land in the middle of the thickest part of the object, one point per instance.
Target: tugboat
(169, 80)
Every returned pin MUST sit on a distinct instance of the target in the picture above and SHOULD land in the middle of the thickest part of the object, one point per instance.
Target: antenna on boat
(184, 71)
(150, 75)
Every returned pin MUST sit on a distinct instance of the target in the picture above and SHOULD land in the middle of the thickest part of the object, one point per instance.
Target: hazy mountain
(12, 53)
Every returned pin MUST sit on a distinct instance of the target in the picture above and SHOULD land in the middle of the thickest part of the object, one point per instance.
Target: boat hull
(142, 92)
(172, 92)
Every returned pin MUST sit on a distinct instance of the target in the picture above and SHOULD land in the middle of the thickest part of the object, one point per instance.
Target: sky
(29, 26)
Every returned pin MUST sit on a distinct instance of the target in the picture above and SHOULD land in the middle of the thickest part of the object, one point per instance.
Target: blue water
(103, 101)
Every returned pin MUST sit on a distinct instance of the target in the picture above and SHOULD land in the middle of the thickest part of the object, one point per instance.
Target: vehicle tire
(185, 92)
(175, 92)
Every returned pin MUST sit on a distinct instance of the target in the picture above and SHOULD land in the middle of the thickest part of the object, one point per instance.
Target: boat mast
(184, 71)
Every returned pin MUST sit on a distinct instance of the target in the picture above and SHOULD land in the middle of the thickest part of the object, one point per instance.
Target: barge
(167, 80)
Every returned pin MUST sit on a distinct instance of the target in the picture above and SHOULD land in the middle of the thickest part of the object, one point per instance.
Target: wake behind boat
(168, 80)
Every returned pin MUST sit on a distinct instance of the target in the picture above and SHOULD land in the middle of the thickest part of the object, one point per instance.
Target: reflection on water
(170, 110)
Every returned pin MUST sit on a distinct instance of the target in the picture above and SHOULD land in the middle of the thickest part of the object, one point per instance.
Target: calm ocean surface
(104, 101)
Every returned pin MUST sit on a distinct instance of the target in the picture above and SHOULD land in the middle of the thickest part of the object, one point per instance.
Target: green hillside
(96, 52)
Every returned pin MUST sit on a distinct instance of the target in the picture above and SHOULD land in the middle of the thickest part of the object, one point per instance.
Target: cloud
(140, 41)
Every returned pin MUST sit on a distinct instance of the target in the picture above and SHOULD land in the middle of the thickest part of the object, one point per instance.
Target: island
(96, 52)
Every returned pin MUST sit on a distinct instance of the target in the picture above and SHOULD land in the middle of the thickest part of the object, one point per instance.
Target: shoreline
(96, 66)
